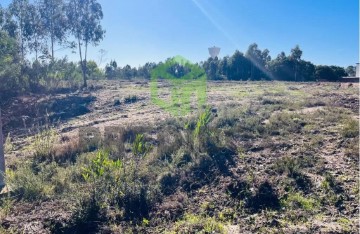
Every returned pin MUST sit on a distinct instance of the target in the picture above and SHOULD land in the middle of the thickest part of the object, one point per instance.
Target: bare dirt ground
(97, 107)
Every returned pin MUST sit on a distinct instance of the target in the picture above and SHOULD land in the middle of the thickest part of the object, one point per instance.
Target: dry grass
(255, 161)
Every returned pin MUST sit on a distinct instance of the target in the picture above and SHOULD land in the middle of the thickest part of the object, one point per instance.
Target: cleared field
(265, 157)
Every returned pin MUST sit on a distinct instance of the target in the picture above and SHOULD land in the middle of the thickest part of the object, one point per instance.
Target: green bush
(11, 83)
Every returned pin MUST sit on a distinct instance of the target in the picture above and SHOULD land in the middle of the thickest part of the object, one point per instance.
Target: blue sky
(138, 31)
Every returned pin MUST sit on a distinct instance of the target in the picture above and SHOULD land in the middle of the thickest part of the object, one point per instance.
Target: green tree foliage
(295, 58)
(292, 67)
(10, 80)
(258, 60)
(212, 69)
(113, 71)
(239, 67)
(35, 30)
(330, 73)
(53, 20)
(53, 75)
(350, 70)
(32, 27)
(110, 70)
(145, 71)
(93, 71)
(2, 16)
(18, 13)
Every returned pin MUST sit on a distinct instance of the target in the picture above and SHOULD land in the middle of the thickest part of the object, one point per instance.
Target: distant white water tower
(214, 51)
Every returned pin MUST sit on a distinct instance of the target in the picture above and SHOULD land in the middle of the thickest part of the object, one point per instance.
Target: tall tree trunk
(85, 62)
(82, 63)
(22, 44)
(52, 48)
(52, 31)
(2, 157)
(36, 49)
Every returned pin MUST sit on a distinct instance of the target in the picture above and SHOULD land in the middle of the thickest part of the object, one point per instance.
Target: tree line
(39, 28)
(255, 64)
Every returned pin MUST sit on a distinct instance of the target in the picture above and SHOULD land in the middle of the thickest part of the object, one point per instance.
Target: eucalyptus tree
(35, 32)
(53, 21)
(254, 55)
(84, 19)
(295, 57)
(9, 25)
(18, 18)
(259, 59)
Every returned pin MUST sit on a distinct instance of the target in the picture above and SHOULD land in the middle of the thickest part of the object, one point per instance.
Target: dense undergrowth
(255, 166)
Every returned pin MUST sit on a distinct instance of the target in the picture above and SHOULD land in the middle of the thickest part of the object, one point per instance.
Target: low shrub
(32, 185)
(351, 128)
(43, 145)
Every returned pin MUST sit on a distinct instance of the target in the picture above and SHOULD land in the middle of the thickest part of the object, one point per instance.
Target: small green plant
(140, 148)
(145, 222)
(202, 122)
(100, 165)
(296, 200)
(197, 224)
(102, 177)
(345, 224)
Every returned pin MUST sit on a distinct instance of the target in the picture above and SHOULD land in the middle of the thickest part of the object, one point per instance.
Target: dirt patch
(36, 218)
(27, 111)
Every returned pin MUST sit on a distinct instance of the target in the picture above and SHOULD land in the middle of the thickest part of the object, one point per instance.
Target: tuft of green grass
(43, 145)
(285, 123)
(350, 129)
(192, 223)
(352, 149)
(297, 200)
(345, 224)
